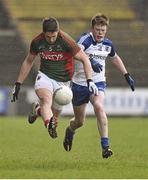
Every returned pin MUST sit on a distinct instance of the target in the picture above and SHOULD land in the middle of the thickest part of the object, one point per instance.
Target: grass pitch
(27, 151)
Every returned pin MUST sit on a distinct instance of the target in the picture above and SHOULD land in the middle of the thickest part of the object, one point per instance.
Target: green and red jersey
(56, 59)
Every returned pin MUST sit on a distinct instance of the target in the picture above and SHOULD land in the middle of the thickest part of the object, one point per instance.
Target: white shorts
(43, 81)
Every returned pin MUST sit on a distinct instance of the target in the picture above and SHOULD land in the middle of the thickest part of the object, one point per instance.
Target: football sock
(46, 122)
(69, 127)
(56, 120)
(104, 142)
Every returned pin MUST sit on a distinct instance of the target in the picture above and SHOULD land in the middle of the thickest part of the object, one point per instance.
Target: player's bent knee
(76, 124)
(79, 124)
(99, 108)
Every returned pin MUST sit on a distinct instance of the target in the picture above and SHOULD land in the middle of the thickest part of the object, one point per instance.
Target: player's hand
(15, 91)
(96, 66)
(92, 87)
(130, 81)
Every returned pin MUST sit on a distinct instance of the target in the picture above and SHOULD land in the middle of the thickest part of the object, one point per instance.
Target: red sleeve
(33, 49)
(34, 44)
(71, 42)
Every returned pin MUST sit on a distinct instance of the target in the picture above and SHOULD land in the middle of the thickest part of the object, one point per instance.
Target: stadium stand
(74, 17)
(70, 9)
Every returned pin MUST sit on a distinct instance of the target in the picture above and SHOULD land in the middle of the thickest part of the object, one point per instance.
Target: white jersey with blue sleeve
(97, 50)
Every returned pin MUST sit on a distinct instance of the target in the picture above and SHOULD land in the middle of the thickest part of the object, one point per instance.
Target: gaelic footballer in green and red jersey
(56, 59)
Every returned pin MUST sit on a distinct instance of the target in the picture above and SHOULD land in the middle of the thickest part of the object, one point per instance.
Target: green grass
(27, 151)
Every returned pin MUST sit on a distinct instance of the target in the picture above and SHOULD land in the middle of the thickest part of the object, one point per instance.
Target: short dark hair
(99, 19)
(50, 24)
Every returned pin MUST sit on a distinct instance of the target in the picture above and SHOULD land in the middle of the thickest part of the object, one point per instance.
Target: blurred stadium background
(21, 20)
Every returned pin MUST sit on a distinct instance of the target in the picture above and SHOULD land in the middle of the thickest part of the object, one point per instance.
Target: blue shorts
(81, 94)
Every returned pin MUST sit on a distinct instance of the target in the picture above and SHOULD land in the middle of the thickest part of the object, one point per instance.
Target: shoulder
(86, 40)
(38, 37)
(35, 43)
(65, 36)
(85, 37)
(69, 42)
(108, 42)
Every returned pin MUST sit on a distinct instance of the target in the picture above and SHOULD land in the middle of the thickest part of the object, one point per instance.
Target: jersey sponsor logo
(97, 56)
(54, 56)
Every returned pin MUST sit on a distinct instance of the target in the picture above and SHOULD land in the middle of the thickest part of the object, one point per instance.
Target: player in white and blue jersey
(98, 48)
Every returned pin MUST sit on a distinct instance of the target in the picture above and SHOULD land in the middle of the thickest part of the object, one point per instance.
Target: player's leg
(75, 123)
(45, 97)
(79, 117)
(102, 121)
(56, 110)
(40, 82)
(44, 87)
(80, 100)
(34, 113)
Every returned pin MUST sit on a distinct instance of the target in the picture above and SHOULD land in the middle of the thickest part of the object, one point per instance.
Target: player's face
(99, 32)
(51, 37)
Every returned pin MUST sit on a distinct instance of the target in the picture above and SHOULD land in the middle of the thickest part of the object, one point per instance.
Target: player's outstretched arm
(15, 91)
(130, 81)
(25, 68)
(119, 64)
(24, 71)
